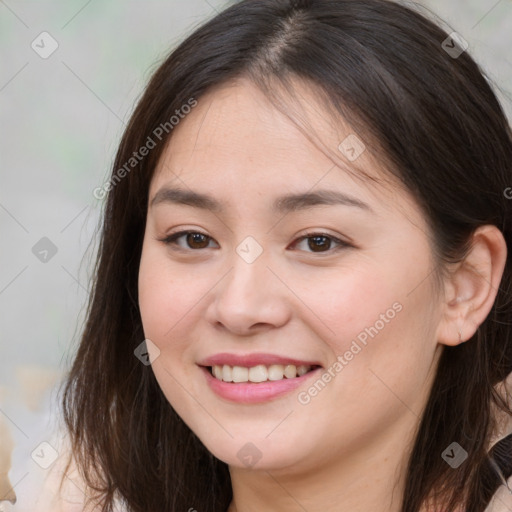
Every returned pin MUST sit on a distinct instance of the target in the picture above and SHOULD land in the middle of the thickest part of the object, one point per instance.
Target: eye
(321, 242)
(194, 239)
(317, 242)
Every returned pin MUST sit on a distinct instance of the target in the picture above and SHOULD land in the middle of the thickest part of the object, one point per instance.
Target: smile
(259, 373)
(245, 391)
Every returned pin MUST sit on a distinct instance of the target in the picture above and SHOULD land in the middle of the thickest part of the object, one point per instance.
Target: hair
(382, 66)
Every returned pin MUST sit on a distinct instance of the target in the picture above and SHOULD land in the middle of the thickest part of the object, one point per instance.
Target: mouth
(259, 373)
(256, 377)
(259, 383)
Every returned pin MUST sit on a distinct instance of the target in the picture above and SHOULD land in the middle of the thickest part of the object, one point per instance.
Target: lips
(251, 393)
(250, 360)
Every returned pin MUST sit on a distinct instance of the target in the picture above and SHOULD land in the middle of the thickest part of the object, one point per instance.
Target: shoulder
(63, 488)
(502, 499)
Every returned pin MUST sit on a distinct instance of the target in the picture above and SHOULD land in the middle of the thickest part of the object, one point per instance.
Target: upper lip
(250, 360)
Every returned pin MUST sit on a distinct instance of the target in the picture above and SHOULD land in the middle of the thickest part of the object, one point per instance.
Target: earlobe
(471, 288)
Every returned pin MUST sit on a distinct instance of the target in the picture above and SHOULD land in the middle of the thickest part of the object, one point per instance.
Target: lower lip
(250, 393)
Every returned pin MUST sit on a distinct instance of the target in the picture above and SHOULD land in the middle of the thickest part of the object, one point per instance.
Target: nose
(250, 298)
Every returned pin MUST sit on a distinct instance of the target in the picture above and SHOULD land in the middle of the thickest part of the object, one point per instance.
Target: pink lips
(250, 392)
(250, 360)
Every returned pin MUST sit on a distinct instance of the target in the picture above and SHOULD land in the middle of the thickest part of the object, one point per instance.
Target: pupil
(318, 239)
(192, 239)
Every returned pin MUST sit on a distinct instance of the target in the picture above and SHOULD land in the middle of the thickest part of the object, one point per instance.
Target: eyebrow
(282, 204)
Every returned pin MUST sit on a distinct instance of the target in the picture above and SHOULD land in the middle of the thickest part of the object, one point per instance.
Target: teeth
(259, 373)
(240, 374)
(227, 373)
(302, 369)
(290, 371)
(217, 372)
(275, 372)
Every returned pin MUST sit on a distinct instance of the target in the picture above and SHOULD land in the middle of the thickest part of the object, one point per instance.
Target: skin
(346, 449)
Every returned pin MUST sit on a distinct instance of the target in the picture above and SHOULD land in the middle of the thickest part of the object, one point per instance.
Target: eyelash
(171, 240)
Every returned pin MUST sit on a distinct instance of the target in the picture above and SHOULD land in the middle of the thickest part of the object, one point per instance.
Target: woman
(302, 295)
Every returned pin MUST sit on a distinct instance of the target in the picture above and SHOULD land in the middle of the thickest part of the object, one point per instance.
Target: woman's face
(355, 298)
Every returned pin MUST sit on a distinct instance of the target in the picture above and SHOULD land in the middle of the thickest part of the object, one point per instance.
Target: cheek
(377, 319)
(347, 302)
(385, 338)
(166, 302)
(166, 297)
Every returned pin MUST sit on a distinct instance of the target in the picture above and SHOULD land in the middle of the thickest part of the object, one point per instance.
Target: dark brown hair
(382, 67)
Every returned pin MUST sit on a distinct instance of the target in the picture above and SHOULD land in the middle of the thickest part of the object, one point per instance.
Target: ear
(471, 287)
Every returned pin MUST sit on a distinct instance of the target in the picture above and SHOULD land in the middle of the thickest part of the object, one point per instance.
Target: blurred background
(70, 74)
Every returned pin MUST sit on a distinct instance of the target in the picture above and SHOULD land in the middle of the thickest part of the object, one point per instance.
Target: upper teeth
(259, 373)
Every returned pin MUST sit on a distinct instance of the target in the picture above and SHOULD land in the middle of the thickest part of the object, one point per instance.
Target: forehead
(237, 118)
(236, 140)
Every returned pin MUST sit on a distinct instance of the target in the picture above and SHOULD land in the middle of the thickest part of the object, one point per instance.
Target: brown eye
(322, 242)
(193, 240)
(196, 240)
(319, 243)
